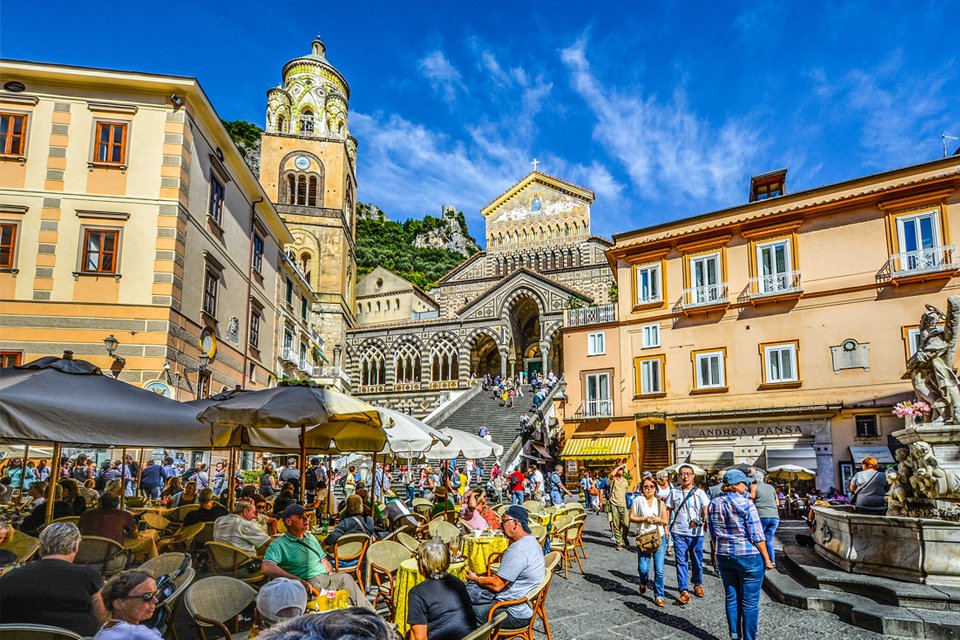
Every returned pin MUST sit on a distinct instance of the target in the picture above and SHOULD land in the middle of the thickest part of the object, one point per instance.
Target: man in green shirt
(297, 555)
(618, 506)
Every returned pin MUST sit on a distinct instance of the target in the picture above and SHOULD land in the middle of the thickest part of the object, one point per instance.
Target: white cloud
(443, 76)
(665, 148)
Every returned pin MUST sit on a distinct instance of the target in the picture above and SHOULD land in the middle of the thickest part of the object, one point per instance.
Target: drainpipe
(246, 347)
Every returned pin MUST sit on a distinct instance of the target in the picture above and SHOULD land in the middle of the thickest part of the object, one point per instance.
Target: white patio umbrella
(463, 444)
(676, 467)
(791, 472)
(408, 436)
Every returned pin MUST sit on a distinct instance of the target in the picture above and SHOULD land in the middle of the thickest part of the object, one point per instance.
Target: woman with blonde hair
(438, 608)
(268, 481)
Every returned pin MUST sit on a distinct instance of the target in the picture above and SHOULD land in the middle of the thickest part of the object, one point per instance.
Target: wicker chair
(215, 600)
(106, 555)
(156, 521)
(488, 630)
(567, 546)
(226, 559)
(182, 539)
(67, 519)
(443, 530)
(500, 508)
(574, 506)
(176, 516)
(352, 546)
(533, 506)
(408, 541)
(539, 532)
(384, 558)
(22, 546)
(35, 632)
(165, 564)
(535, 599)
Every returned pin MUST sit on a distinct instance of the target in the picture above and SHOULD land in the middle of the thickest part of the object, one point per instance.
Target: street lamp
(111, 344)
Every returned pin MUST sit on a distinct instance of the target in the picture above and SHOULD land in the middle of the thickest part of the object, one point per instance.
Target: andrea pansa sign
(740, 430)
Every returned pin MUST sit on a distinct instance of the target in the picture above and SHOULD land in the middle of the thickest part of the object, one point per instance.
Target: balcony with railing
(595, 409)
(705, 297)
(289, 354)
(923, 264)
(590, 315)
(773, 287)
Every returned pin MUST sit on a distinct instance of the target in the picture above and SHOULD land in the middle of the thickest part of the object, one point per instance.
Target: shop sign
(739, 431)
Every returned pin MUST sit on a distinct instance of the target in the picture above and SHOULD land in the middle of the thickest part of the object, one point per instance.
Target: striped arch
(521, 292)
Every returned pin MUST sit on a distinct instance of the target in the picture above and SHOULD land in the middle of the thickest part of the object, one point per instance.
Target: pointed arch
(444, 358)
(406, 362)
(372, 364)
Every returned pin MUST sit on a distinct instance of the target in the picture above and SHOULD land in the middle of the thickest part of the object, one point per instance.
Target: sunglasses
(146, 597)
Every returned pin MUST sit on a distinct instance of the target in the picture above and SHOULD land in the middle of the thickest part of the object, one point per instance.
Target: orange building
(127, 214)
(769, 333)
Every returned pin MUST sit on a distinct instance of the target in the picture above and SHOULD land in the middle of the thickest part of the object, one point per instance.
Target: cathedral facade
(499, 312)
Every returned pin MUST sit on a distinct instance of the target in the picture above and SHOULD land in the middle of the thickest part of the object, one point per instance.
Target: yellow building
(769, 333)
(127, 211)
(308, 168)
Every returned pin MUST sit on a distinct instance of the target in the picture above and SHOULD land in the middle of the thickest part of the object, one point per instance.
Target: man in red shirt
(515, 485)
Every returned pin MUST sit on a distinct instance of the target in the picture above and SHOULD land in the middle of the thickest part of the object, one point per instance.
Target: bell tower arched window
(301, 189)
(306, 121)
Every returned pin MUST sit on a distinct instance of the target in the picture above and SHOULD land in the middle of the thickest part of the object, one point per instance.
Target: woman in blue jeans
(740, 553)
(650, 514)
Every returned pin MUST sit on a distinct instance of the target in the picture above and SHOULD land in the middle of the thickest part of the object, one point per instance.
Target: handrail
(437, 419)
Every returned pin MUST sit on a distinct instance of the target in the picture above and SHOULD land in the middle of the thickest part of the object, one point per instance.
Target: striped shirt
(734, 525)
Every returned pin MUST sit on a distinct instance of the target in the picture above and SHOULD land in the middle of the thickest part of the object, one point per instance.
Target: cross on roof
(535, 163)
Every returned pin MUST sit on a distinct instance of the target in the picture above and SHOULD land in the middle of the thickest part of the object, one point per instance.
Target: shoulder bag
(649, 542)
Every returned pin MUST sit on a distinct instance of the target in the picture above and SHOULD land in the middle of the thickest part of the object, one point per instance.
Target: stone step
(861, 611)
(813, 571)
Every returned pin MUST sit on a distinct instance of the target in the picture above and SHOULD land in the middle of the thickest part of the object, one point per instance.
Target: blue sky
(664, 109)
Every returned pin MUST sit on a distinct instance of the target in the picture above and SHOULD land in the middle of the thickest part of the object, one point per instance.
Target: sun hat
(735, 476)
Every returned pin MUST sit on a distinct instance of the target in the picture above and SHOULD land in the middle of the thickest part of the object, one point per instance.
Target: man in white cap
(279, 600)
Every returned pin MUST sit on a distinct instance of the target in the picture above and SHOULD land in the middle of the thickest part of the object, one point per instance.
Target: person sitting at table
(521, 570)
(470, 515)
(397, 512)
(53, 590)
(130, 598)
(240, 529)
(438, 608)
(264, 520)
(443, 502)
(185, 497)
(284, 498)
(209, 510)
(488, 514)
(280, 600)
(353, 522)
(108, 521)
(378, 516)
(32, 523)
(323, 500)
(71, 495)
(173, 487)
(354, 623)
(6, 489)
(297, 555)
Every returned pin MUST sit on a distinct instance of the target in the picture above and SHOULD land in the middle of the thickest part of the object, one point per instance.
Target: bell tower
(308, 168)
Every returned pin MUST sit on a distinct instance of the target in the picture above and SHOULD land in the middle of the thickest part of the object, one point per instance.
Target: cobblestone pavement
(605, 604)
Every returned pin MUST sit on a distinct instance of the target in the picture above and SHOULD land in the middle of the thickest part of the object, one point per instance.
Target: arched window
(291, 189)
(387, 304)
(583, 227)
(396, 303)
(312, 191)
(566, 230)
(407, 363)
(306, 264)
(378, 306)
(373, 367)
(443, 360)
(306, 121)
(281, 124)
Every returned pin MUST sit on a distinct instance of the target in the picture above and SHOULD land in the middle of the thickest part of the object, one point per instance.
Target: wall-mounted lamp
(204, 362)
(177, 101)
(111, 344)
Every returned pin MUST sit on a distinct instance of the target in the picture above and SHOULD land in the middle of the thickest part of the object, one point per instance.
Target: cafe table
(477, 550)
(408, 576)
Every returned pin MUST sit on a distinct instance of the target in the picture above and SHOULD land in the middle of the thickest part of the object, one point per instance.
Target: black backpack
(310, 483)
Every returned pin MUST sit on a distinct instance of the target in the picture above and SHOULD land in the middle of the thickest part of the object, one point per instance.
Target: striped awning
(614, 447)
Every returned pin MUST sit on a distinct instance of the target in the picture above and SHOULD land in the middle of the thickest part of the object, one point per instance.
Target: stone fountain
(919, 538)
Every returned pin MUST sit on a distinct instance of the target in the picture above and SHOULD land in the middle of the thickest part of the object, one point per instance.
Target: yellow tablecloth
(543, 519)
(477, 551)
(408, 576)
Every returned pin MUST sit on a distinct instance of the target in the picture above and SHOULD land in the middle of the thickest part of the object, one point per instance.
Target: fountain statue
(919, 538)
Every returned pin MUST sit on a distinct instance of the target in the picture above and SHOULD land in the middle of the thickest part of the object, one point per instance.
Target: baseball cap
(735, 476)
(519, 514)
(293, 509)
(280, 594)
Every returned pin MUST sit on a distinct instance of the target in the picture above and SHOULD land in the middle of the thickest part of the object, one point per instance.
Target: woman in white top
(650, 514)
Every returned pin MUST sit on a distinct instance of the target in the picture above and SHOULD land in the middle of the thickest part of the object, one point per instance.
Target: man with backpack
(515, 486)
(557, 487)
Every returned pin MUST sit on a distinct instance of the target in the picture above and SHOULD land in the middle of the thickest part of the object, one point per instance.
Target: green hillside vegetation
(389, 244)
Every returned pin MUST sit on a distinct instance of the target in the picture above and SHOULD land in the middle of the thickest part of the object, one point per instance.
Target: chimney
(768, 185)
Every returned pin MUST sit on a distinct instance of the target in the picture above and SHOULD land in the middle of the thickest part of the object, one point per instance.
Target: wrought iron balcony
(590, 315)
(705, 296)
(922, 261)
(592, 409)
(776, 284)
